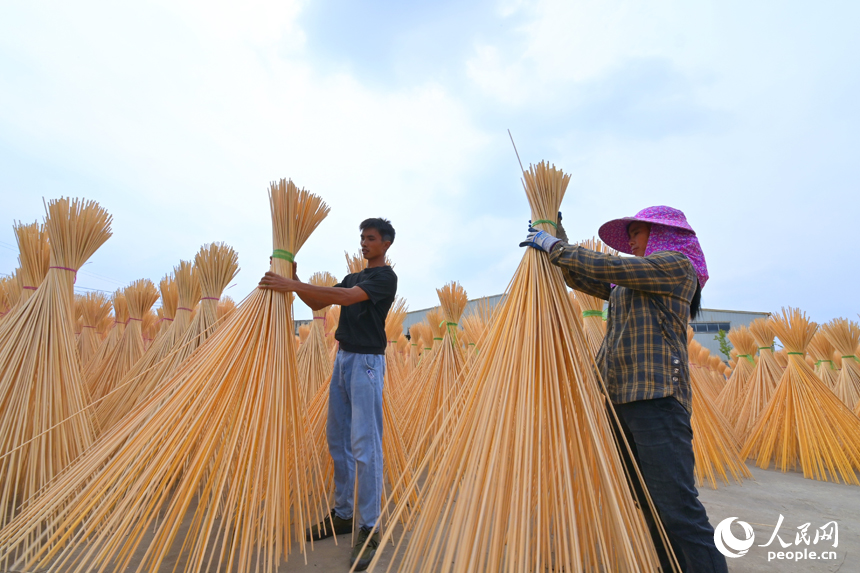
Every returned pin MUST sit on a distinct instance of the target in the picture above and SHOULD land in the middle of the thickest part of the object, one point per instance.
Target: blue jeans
(661, 438)
(354, 433)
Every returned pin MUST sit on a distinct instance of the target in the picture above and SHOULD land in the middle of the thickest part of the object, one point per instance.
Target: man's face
(372, 245)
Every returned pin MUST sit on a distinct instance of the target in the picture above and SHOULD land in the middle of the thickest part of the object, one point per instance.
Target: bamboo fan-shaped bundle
(440, 385)
(215, 265)
(394, 369)
(719, 371)
(149, 329)
(304, 332)
(6, 288)
(781, 357)
(188, 291)
(475, 324)
(591, 307)
(140, 295)
(34, 257)
(169, 302)
(763, 381)
(219, 441)
(715, 447)
(422, 333)
(14, 288)
(729, 400)
(844, 335)
(698, 356)
(805, 422)
(532, 480)
(113, 332)
(821, 351)
(95, 308)
(357, 263)
(332, 320)
(225, 307)
(43, 426)
(397, 469)
(314, 360)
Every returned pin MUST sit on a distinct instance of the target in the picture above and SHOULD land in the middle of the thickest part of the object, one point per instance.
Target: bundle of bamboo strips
(225, 307)
(533, 480)
(188, 291)
(149, 329)
(112, 333)
(95, 308)
(223, 430)
(332, 320)
(591, 307)
(34, 257)
(397, 468)
(763, 381)
(719, 369)
(821, 352)
(102, 377)
(5, 295)
(435, 395)
(844, 335)
(314, 359)
(42, 396)
(781, 357)
(715, 447)
(304, 332)
(215, 265)
(169, 302)
(804, 421)
(729, 400)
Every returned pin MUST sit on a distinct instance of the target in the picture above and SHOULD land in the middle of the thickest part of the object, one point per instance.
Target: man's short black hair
(383, 226)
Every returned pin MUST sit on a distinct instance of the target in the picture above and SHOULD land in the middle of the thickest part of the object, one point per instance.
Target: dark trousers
(661, 439)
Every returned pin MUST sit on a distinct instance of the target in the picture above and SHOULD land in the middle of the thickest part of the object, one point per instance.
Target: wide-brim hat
(614, 233)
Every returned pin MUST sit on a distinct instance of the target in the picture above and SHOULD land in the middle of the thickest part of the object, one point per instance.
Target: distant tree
(725, 346)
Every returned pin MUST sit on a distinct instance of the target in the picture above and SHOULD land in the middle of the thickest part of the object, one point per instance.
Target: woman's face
(638, 233)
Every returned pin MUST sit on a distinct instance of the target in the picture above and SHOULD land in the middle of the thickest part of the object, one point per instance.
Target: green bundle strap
(282, 254)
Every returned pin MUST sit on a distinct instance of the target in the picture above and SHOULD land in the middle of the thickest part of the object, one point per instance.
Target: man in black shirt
(355, 393)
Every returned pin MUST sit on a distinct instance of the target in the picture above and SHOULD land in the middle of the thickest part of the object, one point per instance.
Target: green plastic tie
(434, 338)
(748, 357)
(587, 313)
(766, 348)
(817, 364)
(797, 353)
(539, 221)
(281, 254)
(851, 356)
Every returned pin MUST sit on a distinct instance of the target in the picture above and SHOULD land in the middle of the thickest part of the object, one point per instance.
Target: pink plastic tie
(67, 269)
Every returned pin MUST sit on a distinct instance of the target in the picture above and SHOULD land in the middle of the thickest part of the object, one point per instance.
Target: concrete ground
(799, 501)
(758, 502)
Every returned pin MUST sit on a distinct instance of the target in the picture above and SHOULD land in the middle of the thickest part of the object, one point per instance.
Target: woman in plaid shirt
(643, 359)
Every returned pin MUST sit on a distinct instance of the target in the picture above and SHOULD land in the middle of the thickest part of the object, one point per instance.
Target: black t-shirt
(362, 325)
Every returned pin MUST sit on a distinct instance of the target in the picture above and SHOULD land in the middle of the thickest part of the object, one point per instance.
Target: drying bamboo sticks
(42, 395)
(533, 480)
(804, 422)
(224, 430)
(844, 335)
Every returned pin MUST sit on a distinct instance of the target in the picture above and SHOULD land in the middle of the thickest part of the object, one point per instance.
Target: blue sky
(176, 115)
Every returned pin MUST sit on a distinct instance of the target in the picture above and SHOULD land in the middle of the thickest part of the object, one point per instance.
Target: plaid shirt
(644, 353)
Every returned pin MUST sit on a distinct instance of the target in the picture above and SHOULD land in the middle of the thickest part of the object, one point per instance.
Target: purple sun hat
(673, 234)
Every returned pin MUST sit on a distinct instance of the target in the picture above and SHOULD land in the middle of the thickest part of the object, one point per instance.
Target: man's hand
(540, 240)
(277, 283)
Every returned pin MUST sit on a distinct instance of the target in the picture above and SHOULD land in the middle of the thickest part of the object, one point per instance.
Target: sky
(175, 116)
